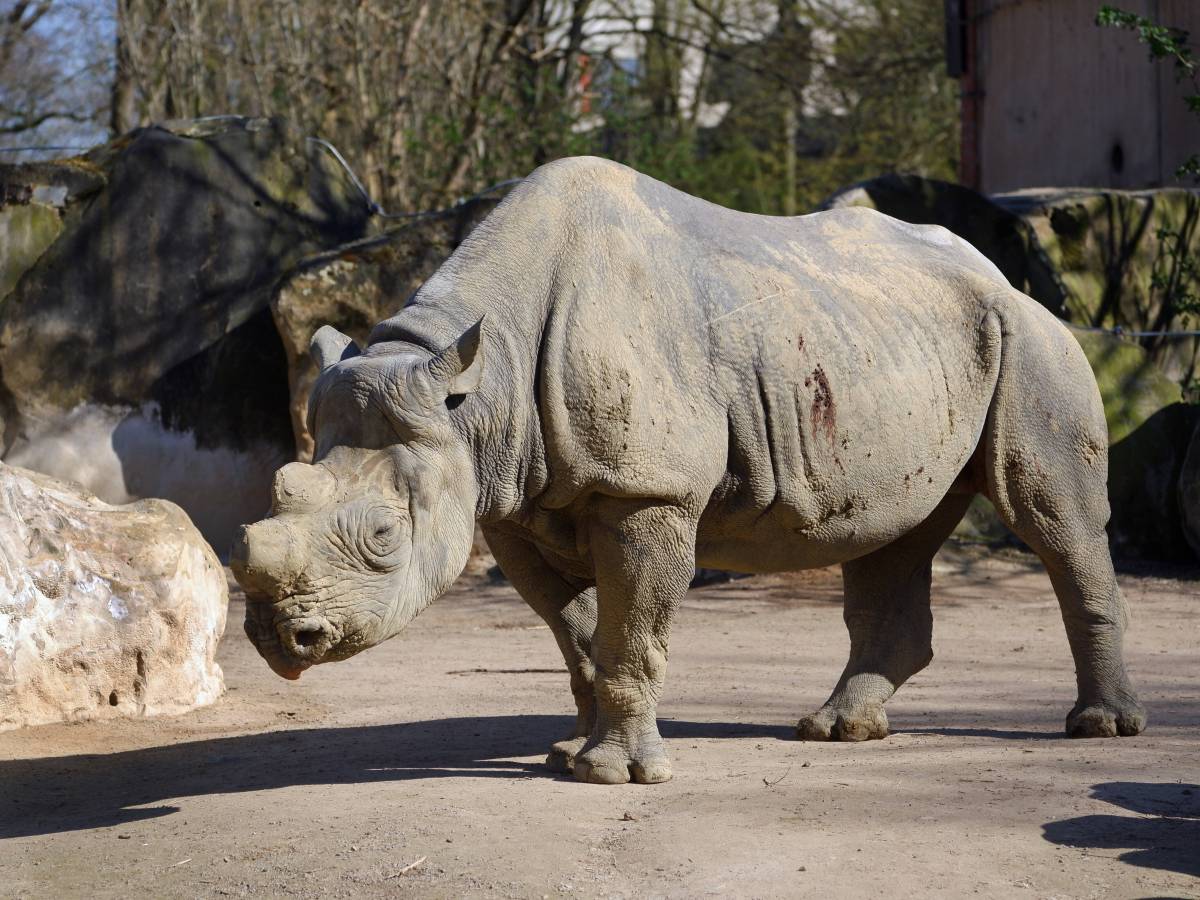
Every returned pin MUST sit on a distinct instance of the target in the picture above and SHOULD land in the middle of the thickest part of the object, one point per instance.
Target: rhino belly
(826, 463)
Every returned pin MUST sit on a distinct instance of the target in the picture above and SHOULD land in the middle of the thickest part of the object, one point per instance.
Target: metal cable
(377, 210)
(1118, 331)
(39, 149)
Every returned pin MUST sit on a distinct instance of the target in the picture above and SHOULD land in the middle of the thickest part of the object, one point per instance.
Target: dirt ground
(429, 749)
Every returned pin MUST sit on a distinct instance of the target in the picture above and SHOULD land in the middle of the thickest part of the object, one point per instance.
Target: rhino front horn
(264, 558)
(330, 346)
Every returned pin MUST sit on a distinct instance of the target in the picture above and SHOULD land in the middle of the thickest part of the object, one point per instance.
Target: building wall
(1064, 102)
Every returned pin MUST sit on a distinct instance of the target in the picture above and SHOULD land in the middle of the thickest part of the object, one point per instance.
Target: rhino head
(381, 523)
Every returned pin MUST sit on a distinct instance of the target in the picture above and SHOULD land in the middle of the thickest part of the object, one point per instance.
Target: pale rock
(105, 611)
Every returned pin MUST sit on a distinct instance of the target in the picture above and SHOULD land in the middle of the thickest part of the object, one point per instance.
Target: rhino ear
(330, 346)
(459, 368)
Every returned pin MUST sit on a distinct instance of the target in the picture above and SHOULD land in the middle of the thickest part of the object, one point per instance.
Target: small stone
(629, 817)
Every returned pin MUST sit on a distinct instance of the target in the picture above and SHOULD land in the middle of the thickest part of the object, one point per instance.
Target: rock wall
(137, 350)
(104, 611)
(1112, 252)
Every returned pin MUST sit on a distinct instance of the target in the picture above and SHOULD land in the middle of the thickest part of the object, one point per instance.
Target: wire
(1119, 331)
(377, 210)
(39, 149)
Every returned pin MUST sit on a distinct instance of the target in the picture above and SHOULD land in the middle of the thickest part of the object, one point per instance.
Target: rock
(137, 350)
(356, 286)
(105, 611)
(1189, 494)
(1131, 386)
(1107, 249)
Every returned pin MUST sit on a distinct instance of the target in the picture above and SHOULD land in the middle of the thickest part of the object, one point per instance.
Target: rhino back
(819, 374)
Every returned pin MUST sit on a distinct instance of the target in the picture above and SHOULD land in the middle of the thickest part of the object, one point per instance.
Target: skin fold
(620, 382)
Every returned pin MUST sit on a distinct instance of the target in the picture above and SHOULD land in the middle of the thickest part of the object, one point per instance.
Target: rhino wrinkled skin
(620, 382)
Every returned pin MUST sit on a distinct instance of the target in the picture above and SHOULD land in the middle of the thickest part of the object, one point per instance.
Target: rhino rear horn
(330, 346)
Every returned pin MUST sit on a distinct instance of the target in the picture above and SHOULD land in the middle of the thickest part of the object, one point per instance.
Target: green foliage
(1165, 43)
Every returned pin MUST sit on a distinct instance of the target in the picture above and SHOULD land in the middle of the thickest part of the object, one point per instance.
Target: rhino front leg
(891, 629)
(644, 556)
(569, 608)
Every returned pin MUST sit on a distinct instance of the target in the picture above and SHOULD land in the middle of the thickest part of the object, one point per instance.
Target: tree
(764, 105)
(48, 78)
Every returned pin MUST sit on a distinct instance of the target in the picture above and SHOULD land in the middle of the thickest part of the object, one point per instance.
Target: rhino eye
(382, 531)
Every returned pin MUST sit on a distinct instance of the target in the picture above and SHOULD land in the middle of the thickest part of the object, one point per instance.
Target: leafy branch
(1165, 42)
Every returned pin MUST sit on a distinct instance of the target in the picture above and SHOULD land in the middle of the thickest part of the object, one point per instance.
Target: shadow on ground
(997, 733)
(69, 793)
(1166, 836)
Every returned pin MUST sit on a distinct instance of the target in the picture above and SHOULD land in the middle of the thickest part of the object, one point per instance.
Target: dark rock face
(137, 352)
(1189, 493)
(179, 243)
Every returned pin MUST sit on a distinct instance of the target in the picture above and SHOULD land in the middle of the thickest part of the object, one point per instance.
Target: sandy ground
(429, 748)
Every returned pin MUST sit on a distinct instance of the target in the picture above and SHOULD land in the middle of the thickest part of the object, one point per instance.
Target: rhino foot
(830, 724)
(562, 754)
(607, 763)
(1125, 718)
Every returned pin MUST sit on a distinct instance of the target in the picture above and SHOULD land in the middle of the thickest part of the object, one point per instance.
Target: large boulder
(104, 610)
(1189, 493)
(137, 349)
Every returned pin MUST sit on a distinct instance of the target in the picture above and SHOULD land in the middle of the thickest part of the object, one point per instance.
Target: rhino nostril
(309, 638)
(309, 635)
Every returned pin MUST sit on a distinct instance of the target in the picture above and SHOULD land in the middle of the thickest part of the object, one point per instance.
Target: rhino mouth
(289, 644)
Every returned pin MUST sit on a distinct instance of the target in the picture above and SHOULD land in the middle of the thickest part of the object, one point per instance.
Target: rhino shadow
(68, 793)
(1169, 840)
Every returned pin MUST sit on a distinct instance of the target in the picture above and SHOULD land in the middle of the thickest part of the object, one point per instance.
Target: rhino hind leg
(644, 556)
(1046, 465)
(891, 629)
(1076, 555)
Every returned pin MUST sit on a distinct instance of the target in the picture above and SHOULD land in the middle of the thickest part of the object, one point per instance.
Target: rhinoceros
(620, 382)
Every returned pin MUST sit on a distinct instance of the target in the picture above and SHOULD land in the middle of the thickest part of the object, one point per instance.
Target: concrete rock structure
(105, 611)
(137, 351)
